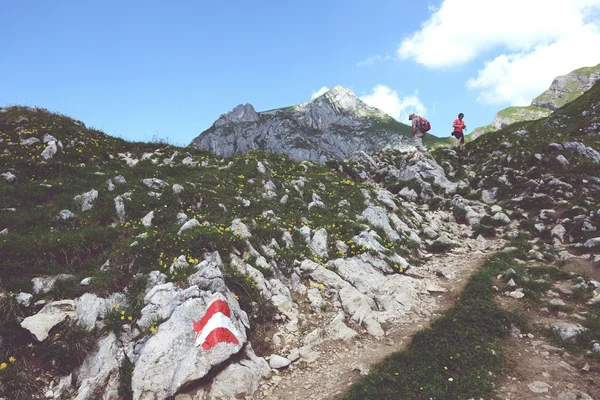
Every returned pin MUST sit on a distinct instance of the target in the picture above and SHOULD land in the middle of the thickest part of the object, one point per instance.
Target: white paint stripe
(218, 320)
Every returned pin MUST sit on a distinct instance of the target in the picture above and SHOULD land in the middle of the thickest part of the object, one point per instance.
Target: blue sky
(139, 70)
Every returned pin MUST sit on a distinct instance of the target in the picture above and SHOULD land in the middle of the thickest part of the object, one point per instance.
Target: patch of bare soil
(585, 266)
(538, 366)
(342, 363)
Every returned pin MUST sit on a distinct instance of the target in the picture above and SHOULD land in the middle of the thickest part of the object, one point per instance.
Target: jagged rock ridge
(333, 125)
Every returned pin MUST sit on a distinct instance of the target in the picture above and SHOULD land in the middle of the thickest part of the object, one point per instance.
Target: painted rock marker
(215, 326)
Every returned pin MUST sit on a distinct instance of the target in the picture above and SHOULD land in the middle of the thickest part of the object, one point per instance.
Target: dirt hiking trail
(342, 363)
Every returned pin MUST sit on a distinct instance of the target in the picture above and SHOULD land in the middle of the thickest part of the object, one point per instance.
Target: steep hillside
(332, 126)
(145, 271)
(567, 88)
(563, 90)
(551, 163)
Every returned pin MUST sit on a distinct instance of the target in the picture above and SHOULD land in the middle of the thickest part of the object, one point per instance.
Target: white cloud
(390, 102)
(518, 78)
(460, 30)
(432, 7)
(533, 41)
(372, 60)
(319, 92)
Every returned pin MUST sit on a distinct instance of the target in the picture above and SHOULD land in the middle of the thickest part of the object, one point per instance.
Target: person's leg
(419, 142)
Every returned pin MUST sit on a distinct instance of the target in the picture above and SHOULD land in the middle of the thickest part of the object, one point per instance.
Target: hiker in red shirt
(459, 126)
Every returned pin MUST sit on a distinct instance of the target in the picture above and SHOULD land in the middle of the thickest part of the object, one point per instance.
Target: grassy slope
(575, 87)
(516, 112)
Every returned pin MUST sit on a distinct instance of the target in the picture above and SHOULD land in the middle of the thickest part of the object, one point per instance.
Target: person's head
(411, 116)
(461, 115)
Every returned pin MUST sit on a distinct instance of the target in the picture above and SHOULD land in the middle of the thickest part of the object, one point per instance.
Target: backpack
(424, 125)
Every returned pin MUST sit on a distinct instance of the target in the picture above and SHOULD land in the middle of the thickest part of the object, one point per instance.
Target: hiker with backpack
(459, 126)
(419, 126)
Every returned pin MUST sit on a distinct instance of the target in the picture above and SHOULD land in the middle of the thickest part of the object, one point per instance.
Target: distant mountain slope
(563, 90)
(567, 88)
(331, 126)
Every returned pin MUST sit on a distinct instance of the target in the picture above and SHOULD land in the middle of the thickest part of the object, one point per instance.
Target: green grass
(455, 358)
(524, 113)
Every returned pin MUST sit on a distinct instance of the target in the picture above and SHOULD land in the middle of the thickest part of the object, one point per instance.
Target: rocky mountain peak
(340, 101)
(241, 113)
(332, 125)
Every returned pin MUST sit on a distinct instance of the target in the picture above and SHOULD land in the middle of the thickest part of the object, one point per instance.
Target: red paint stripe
(216, 306)
(219, 335)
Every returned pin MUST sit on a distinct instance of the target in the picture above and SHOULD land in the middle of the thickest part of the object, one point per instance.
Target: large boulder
(201, 333)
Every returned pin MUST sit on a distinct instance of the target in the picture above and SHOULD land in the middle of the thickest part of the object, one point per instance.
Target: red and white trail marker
(215, 326)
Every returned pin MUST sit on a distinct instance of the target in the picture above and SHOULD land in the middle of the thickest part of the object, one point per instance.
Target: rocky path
(342, 362)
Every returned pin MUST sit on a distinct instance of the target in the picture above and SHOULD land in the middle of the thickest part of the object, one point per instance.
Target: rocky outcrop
(564, 89)
(517, 114)
(333, 125)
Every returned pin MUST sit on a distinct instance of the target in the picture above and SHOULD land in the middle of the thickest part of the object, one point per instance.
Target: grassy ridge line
(455, 358)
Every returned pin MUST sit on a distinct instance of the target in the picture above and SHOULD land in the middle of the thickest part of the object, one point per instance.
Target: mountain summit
(333, 125)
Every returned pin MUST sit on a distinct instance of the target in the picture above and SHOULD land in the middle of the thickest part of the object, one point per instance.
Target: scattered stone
(87, 200)
(595, 242)
(574, 395)
(192, 223)
(567, 331)
(154, 183)
(586, 367)
(445, 272)
(562, 160)
(147, 220)
(517, 294)
(557, 302)
(240, 229)
(277, 362)
(433, 288)
(177, 188)
(24, 299)
(8, 177)
(539, 387)
(51, 315)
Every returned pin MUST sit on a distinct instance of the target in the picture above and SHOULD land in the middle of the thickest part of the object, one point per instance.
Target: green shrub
(484, 230)
(248, 295)
(125, 373)
(460, 214)
(18, 380)
(65, 352)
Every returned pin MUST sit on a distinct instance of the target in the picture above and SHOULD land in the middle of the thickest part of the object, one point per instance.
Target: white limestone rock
(48, 317)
